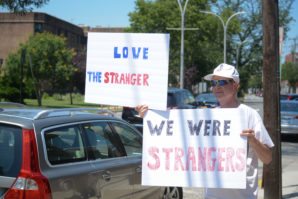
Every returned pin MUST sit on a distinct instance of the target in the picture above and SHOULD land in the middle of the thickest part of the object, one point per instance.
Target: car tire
(173, 193)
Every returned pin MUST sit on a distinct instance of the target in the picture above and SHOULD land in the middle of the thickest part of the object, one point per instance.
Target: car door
(112, 173)
(132, 143)
(65, 163)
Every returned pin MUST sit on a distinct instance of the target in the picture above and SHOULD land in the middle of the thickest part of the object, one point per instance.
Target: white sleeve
(260, 131)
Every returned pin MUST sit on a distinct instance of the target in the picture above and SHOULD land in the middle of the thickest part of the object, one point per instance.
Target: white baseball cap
(224, 70)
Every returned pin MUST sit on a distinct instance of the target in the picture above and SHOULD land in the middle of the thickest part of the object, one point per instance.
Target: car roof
(289, 101)
(28, 118)
(290, 94)
(173, 90)
(206, 94)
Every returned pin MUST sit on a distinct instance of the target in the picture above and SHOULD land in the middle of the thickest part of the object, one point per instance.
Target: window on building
(38, 27)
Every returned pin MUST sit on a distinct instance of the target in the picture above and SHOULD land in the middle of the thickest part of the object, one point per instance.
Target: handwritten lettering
(209, 159)
(136, 51)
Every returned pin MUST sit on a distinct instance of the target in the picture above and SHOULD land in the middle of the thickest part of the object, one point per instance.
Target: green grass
(65, 103)
(53, 103)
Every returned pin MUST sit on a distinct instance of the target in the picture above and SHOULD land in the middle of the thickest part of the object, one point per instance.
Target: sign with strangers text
(127, 69)
(194, 148)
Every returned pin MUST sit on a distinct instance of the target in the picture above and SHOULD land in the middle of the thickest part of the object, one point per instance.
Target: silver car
(289, 116)
(71, 154)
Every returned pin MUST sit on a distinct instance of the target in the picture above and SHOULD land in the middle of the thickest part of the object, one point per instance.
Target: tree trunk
(70, 94)
(39, 96)
(271, 85)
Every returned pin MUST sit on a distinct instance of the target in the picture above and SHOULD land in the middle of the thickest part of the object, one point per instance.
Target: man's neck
(230, 104)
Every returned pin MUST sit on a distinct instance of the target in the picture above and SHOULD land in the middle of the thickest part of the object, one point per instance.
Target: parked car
(289, 116)
(68, 153)
(176, 99)
(290, 96)
(207, 99)
(180, 99)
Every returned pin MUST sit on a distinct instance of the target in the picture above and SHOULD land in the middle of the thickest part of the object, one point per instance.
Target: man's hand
(250, 134)
(263, 151)
(141, 109)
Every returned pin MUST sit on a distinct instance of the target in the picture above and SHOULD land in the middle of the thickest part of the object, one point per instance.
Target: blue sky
(114, 13)
(105, 13)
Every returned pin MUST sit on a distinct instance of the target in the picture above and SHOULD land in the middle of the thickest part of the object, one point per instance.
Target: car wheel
(173, 193)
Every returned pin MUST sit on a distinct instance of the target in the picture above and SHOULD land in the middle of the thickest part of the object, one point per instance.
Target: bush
(9, 94)
(45, 96)
(57, 96)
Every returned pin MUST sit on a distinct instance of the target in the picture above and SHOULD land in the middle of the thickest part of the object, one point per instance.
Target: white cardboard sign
(127, 69)
(194, 148)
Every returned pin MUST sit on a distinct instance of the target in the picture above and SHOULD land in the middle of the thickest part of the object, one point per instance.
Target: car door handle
(139, 169)
(106, 176)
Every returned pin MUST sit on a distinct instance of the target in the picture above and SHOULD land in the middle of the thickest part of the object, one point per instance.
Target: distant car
(70, 153)
(207, 99)
(289, 116)
(290, 96)
(176, 99)
(180, 99)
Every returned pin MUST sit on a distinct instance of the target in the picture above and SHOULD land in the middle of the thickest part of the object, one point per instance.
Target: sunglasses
(220, 82)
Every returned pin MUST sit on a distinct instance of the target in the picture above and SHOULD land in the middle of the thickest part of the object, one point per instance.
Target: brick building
(293, 58)
(87, 29)
(16, 28)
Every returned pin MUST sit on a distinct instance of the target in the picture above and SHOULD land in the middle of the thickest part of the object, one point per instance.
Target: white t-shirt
(254, 122)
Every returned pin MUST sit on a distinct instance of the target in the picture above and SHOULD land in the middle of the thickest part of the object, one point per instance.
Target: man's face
(226, 92)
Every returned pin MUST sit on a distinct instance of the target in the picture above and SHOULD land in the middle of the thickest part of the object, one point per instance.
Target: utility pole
(182, 11)
(271, 85)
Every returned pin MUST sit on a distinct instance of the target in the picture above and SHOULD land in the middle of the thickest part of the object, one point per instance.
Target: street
(289, 149)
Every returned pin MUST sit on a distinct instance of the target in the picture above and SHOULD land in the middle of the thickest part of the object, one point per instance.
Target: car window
(10, 150)
(289, 107)
(206, 97)
(64, 144)
(186, 97)
(171, 100)
(101, 143)
(131, 140)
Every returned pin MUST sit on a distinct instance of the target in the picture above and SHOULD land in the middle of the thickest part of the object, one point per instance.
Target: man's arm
(264, 153)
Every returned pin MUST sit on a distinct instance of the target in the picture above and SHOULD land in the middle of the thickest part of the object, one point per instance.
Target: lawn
(65, 103)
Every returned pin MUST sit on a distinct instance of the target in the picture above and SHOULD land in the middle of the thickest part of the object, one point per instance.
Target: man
(225, 84)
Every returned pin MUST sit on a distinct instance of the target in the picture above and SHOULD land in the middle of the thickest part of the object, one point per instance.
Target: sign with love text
(194, 148)
(127, 69)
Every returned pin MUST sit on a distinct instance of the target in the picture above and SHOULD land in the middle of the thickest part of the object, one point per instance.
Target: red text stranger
(198, 159)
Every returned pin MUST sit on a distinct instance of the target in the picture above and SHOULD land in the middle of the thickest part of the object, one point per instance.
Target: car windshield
(206, 97)
(10, 150)
(289, 107)
(185, 98)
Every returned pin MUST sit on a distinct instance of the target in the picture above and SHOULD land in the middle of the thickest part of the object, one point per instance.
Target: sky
(114, 13)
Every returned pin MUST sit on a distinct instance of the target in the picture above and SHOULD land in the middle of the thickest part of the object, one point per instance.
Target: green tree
(23, 5)
(203, 49)
(290, 73)
(248, 41)
(47, 66)
(10, 82)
